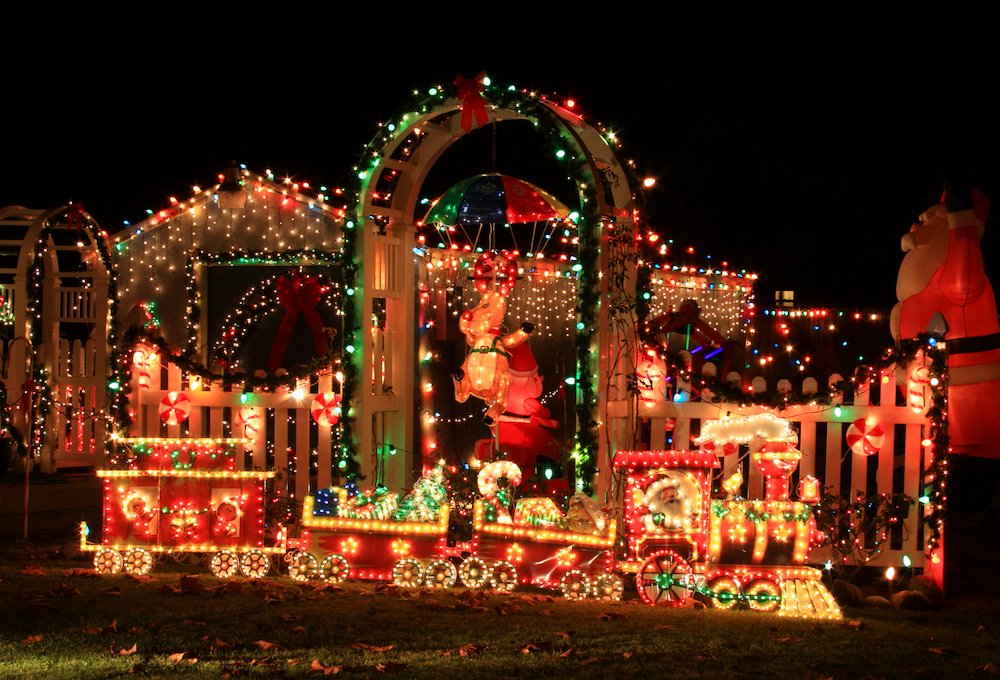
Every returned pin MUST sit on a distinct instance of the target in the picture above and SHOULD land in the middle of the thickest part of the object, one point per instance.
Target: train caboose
(183, 496)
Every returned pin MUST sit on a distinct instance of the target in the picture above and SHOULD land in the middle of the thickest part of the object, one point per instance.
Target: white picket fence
(301, 448)
(898, 466)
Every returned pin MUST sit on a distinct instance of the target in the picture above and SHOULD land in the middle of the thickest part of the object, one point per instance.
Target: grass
(60, 622)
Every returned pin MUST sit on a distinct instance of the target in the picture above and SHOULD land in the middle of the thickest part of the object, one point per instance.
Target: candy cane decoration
(175, 408)
(326, 408)
(249, 420)
(865, 436)
(917, 381)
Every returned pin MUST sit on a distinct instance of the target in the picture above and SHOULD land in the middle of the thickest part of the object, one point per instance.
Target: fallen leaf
(268, 646)
(989, 668)
(64, 590)
(125, 652)
(566, 634)
(705, 655)
(85, 573)
(319, 666)
(546, 612)
(944, 651)
(139, 669)
(194, 622)
(190, 584)
(113, 590)
(788, 639)
(470, 650)
(628, 655)
(299, 629)
(390, 667)
(381, 649)
(360, 645)
(33, 639)
(590, 661)
(663, 626)
(984, 629)
(289, 618)
(219, 644)
(139, 578)
(167, 589)
(32, 570)
(570, 654)
(856, 625)
(610, 616)
(536, 646)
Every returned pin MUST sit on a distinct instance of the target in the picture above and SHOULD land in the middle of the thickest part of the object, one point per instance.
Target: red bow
(298, 296)
(74, 216)
(471, 94)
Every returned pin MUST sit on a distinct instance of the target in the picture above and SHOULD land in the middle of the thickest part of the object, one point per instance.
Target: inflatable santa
(943, 272)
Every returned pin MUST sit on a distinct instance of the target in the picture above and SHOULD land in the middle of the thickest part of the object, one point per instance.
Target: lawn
(61, 621)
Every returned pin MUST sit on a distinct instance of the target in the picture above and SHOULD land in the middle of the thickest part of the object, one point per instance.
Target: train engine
(730, 551)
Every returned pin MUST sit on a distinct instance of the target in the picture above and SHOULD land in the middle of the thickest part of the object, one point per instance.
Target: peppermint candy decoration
(249, 420)
(865, 436)
(326, 408)
(175, 408)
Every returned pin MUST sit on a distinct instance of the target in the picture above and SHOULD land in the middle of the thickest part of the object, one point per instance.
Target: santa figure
(943, 272)
(524, 432)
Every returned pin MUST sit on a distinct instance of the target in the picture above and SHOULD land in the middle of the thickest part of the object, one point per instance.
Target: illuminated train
(183, 496)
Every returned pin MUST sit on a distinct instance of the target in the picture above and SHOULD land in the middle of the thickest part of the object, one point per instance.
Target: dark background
(799, 147)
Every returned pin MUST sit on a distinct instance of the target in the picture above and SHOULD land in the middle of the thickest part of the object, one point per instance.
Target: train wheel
(334, 568)
(575, 585)
(608, 587)
(724, 591)
(664, 578)
(763, 595)
(138, 562)
(255, 564)
(408, 573)
(504, 576)
(224, 564)
(107, 562)
(302, 566)
(474, 573)
(441, 574)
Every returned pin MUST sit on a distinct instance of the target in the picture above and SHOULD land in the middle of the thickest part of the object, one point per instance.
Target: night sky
(798, 149)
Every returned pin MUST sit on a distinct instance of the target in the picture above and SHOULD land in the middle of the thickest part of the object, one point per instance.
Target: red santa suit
(959, 290)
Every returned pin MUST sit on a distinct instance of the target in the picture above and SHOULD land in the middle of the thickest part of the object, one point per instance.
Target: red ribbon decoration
(471, 94)
(74, 216)
(298, 296)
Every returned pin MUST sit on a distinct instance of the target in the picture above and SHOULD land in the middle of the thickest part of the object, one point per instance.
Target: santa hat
(522, 361)
(980, 204)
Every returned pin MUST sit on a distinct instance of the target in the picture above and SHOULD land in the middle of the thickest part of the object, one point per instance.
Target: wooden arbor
(395, 167)
(56, 363)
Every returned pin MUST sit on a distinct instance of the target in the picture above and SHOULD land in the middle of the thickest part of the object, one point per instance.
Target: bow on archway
(470, 91)
(299, 296)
